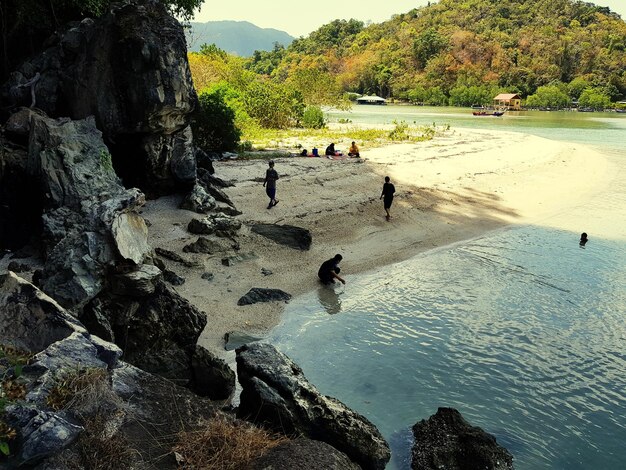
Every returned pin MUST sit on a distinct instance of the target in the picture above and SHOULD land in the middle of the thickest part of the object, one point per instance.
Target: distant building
(371, 100)
(508, 101)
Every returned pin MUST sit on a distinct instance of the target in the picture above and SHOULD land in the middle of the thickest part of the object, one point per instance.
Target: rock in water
(276, 393)
(446, 440)
(305, 454)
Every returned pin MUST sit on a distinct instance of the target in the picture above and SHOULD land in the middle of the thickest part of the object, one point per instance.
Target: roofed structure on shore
(371, 100)
(508, 101)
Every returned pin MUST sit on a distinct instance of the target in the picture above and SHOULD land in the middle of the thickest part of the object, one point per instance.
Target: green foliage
(273, 105)
(313, 118)
(211, 50)
(265, 62)
(106, 161)
(427, 45)
(11, 362)
(399, 132)
(594, 98)
(338, 33)
(214, 123)
(577, 86)
(549, 96)
(468, 95)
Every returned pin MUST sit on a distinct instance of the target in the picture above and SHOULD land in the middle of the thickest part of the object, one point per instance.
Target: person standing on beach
(388, 190)
(329, 270)
(270, 184)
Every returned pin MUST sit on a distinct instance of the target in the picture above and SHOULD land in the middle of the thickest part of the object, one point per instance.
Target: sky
(300, 18)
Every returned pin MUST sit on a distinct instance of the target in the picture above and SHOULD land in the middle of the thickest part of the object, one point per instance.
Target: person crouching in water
(329, 270)
(388, 191)
(354, 150)
(270, 184)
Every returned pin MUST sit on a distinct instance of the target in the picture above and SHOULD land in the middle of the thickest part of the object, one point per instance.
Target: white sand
(449, 189)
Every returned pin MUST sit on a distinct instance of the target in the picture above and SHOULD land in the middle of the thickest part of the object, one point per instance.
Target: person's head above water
(583, 236)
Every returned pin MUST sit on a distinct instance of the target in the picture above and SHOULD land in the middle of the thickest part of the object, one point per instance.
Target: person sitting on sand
(304, 153)
(329, 270)
(354, 150)
(330, 150)
(270, 184)
(315, 152)
(388, 191)
(583, 239)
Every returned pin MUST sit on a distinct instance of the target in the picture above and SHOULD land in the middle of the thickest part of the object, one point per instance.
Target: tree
(427, 45)
(594, 98)
(549, 96)
(213, 123)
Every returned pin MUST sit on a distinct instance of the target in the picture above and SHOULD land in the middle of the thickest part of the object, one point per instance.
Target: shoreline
(449, 189)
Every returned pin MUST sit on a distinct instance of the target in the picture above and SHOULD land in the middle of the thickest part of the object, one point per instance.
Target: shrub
(313, 118)
(214, 123)
(399, 132)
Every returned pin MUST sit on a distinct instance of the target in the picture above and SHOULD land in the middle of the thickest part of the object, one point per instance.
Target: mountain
(235, 37)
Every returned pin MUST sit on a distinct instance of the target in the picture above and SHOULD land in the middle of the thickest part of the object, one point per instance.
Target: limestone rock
(218, 224)
(212, 376)
(289, 235)
(137, 283)
(446, 440)
(203, 245)
(304, 453)
(131, 236)
(276, 393)
(198, 201)
(258, 294)
(173, 278)
(174, 257)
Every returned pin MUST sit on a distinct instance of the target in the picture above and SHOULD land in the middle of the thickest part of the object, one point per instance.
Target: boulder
(304, 453)
(171, 255)
(203, 245)
(212, 377)
(446, 440)
(198, 200)
(173, 278)
(218, 224)
(289, 235)
(276, 393)
(129, 70)
(139, 282)
(130, 234)
(258, 294)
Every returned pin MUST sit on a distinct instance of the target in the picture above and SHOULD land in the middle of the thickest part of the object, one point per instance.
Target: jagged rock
(172, 363)
(129, 69)
(203, 245)
(218, 224)
(218, 194)
(276, 393)
(446, 440)
(234, 259)
(258, 294)
(227, 210)
(266, 272)
(174, 257)
(207, 276)
(209, 179)
(205, 162)
(31, 320)
(18, 267)
(173, 278)
(289, 235)
(198, 201)
(236, 339)
(212, 377)
(304, 453)
(130, 233)
(137, 283)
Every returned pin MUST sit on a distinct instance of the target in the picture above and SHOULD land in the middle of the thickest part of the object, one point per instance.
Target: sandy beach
(452, 188)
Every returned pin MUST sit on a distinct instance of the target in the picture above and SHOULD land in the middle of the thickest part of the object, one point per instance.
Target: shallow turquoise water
(522, 330)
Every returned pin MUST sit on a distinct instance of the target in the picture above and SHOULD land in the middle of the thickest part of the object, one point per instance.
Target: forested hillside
(463, 51)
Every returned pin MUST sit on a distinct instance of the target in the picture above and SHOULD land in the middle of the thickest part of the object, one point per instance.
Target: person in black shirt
(270, 184)
(329, 270)
(388, 191)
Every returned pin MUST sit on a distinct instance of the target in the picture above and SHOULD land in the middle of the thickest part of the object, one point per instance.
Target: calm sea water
(521, 330)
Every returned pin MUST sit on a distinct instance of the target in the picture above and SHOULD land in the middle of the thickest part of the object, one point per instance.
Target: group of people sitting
(331, 152)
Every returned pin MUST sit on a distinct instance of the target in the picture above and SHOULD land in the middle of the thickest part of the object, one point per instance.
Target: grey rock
(174, 257)
(46, 434)
(212, 377)
(288, 235)
(236, 339)
(204, 162)
(259, 294)
(232, 260)
(173, 278)
(18, 267)
(130, 234)
(446, 440)
(227, 210)
(208, 276)
(30, 319)
(198, 201)
(219, 224)
(137, 283)
(97, 322)
(276, 393)
(266, 272)
(203, 245)
(304, 453)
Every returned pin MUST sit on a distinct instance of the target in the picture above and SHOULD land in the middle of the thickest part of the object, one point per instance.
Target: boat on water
(488, 113)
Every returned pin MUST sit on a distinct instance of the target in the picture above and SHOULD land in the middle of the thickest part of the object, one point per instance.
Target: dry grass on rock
(224, 444)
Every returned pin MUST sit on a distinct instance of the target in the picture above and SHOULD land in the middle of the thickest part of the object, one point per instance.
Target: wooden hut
(509, 101)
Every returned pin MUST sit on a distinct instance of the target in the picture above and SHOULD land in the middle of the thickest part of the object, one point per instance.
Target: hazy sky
(300, 18)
